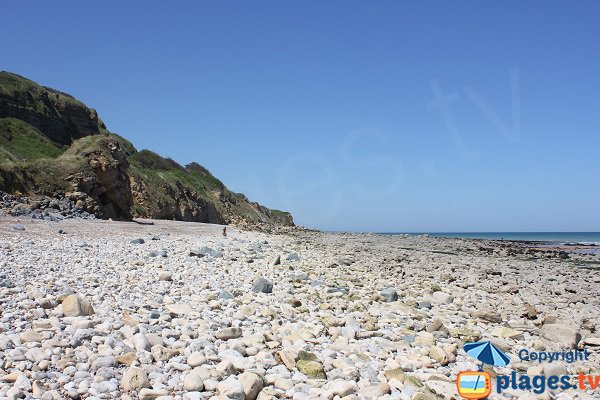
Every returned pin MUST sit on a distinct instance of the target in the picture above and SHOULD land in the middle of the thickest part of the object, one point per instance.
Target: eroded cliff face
(52, 145)
(178, 203)
(108, 184)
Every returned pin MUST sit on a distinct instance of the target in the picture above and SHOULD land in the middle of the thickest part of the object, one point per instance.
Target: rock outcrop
(108, 185)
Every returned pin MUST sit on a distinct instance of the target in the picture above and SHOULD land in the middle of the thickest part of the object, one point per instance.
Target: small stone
(140, 342)
(231, 388)
(283, 383)
(530, 311)
(19, 227)
(228, 333)
(225, 295)
(341, 388)
(435, 326)
(151, 394)
(12, 377)
(442, 297)
(389, 294)
(38, 390)
(179, 309)
(161, 353)
(138, 241)
(193, 382)
(30, 336)
(593, 342)
(439, 355)
(287, 358)
(134, 379)
(293, 257)
(252, 384)
(76, 306)
(165, 276)
(127, 358)
(196, 359)
(375, 391)
(129, 320)
(507, 332)
(396, 373)
(261, 285)
(487, 315)
(312, 369)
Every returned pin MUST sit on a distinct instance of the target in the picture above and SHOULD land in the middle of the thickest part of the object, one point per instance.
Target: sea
(555, 238)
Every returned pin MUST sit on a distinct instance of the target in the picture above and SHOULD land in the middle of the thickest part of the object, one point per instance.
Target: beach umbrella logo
(487, 353)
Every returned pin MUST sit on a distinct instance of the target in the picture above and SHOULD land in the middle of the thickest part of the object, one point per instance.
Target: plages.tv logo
(478, 384)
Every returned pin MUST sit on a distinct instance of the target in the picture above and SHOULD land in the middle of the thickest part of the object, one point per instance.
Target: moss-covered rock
(312, 369)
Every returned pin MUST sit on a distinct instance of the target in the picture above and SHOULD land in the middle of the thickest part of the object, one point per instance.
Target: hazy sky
(371, 116)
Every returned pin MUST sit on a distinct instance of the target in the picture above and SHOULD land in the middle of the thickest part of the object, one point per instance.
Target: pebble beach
(169, 310)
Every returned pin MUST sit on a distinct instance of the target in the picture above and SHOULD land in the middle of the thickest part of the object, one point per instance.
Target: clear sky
(353, 115)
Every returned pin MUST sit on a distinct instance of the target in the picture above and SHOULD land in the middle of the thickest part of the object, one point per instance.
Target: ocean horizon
(589, 238)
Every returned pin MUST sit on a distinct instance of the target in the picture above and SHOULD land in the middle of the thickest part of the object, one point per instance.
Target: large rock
(76, 306)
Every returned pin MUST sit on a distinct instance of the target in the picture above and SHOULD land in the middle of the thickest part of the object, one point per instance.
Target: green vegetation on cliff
(22, 142)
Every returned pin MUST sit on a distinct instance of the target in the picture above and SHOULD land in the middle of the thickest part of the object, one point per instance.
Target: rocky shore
(174, 310)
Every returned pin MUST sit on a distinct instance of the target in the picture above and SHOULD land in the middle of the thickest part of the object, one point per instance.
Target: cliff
(51, 144)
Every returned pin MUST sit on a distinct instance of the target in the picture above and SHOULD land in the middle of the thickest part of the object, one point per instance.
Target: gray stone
(389, 294)
(228, 333)
(261, 285)
(293, 257)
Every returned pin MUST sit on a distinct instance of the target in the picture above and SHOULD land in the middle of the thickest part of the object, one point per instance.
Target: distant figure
(225, 231)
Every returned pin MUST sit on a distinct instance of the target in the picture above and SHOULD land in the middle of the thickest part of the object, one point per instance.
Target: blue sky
(365, 116)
